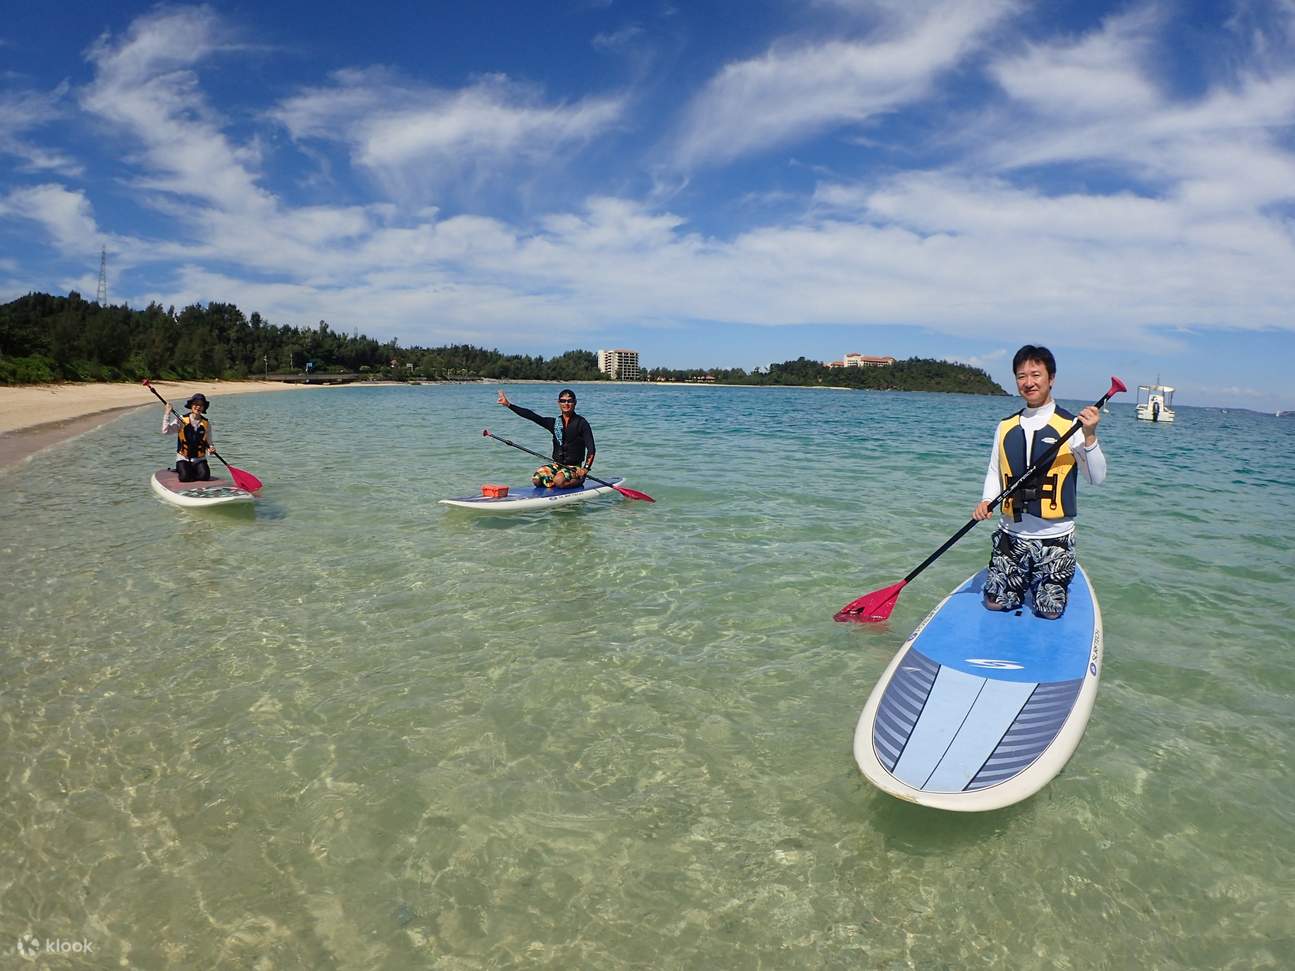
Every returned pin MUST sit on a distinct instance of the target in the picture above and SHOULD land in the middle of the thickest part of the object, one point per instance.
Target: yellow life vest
(1052, 492)
(191, 441)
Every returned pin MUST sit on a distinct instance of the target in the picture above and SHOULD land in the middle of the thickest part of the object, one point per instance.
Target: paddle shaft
(1043, 462)
(543, 456)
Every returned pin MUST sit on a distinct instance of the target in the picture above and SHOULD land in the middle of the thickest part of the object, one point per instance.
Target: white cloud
(145, 87)
(794, 92)
(65, 215)
(995, 209)
(411, 136)
(986, 362)
(26, 111)
(1094, 101)
(618, 39)
(618, 262)
(1100, 75)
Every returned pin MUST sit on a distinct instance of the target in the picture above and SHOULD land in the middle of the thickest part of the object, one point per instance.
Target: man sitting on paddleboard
(573, 442)
(1034, 545)
(193, 439)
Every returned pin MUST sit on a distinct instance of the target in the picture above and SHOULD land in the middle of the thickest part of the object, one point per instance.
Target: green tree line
(47, 338)
(914, 374)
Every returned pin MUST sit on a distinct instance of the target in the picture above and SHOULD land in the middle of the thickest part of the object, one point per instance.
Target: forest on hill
(913, 374)
(45, 338)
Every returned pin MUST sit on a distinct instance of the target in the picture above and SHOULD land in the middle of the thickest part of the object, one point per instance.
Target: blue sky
(712, 184)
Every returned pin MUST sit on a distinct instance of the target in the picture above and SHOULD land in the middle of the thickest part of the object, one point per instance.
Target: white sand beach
(33, 417)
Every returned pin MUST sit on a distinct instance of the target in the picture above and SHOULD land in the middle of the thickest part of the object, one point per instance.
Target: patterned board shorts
(1017, 565)
(545, 474)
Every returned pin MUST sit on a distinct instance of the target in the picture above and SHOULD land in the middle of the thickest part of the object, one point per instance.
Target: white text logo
(30, 946)
(989, 662)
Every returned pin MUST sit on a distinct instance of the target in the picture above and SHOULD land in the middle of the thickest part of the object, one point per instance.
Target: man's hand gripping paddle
(875, 607)
(242, 479)
(627, 493)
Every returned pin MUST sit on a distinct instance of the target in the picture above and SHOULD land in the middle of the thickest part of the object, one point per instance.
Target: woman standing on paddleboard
(193, 439)
(1034, 546)
(573, 442)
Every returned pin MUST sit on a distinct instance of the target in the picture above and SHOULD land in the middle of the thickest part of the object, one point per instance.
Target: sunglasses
(566, 401)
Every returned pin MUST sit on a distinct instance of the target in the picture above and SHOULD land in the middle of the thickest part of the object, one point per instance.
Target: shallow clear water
(356, 729)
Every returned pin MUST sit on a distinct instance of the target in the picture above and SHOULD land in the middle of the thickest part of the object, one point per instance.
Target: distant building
(865, 360)
(619, 365)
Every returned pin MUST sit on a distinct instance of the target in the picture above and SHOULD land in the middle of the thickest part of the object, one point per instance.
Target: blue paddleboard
(981, 709)
(532, 498)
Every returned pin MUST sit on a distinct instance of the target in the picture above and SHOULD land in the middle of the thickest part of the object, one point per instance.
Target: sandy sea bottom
(353, 728)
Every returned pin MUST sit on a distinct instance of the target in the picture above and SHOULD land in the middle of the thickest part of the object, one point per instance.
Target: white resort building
(619, 365)
(862, 360)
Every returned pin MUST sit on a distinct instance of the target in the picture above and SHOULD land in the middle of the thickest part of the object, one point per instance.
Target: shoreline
(33, 417)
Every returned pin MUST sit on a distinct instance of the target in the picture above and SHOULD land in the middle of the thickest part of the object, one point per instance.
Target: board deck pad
(981, 708)
(216, 491)
(532, 497)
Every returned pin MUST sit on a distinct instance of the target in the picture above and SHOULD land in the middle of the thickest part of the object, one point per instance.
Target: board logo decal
(997, 665)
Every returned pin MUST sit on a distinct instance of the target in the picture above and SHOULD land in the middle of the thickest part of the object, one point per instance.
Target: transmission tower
(102, 295)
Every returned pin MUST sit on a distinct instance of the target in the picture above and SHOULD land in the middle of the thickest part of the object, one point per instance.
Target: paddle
(242, 479)
(874, 607)
(627, 493)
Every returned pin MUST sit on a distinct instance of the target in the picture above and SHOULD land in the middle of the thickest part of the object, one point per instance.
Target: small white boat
(1155, 402)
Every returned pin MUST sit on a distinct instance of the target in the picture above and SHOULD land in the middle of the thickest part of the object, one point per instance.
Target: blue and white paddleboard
(981, 709)
(531, 498)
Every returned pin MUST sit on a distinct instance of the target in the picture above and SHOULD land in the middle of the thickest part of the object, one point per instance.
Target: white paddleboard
(217, 491)
(531, 498)
(981, 709)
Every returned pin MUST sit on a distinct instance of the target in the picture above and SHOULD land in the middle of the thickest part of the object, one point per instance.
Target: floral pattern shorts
(1018, 565)
(545, 474)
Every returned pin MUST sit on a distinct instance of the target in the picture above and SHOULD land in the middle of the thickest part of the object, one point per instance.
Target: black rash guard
(577, 439)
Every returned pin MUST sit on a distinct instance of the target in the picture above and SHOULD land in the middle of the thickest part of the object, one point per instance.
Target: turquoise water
(358, 730)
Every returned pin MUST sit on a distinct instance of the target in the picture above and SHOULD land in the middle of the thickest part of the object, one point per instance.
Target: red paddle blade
(629, 493)
(244, 480)
(871, 608)
(1116, 386)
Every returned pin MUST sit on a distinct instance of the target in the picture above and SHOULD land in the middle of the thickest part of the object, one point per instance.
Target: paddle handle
(1046, 459)
(158, 396)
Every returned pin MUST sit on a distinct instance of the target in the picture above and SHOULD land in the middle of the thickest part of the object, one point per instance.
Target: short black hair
(566, 391)
(1031, 352)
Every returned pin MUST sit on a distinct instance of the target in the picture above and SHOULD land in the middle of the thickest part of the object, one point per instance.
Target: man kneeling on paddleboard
(573, 442)
(1034, 545)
